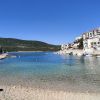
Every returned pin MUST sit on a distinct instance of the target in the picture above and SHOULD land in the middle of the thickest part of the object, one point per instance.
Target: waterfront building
(78, 38)
(76, 43)
(91, 40)
(88, 43)
(64, 46)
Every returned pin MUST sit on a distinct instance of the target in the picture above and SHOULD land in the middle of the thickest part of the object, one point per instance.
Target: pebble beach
(26, 93)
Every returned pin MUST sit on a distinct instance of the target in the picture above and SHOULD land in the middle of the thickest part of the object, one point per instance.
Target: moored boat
(4, 55)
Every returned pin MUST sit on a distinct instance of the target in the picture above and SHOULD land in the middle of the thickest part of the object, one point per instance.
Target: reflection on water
(55, 71)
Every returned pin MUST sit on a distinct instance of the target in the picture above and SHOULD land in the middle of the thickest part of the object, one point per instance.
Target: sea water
(52, 71)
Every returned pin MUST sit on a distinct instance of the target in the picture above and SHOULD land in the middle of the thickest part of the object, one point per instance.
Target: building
(76, 42)
(64, 46)
(74, 45)
(78, 38)
(91, 40)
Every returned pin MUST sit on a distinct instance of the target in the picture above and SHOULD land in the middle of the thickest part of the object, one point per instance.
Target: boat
(87, 54)
(4, 55)
(98, 56)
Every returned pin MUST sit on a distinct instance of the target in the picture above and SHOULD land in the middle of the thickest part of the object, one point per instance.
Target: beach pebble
(14, 87)
(1, 90)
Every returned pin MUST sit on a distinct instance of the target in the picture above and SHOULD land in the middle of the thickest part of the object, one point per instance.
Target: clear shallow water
(48, 70)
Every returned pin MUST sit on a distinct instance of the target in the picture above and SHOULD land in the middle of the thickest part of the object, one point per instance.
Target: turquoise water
(48, 70)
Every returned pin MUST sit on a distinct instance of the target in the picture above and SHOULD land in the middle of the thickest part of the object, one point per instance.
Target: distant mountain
(11, 44)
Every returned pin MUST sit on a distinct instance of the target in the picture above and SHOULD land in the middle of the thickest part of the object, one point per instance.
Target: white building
(75, 45)
(91, 40)
(64, 46)
(78, 38)
(76, 42)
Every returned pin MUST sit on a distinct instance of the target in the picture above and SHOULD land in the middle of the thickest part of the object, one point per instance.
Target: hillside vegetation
(11, 44)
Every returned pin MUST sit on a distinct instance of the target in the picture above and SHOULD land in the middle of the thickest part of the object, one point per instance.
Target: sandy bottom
(27, 93)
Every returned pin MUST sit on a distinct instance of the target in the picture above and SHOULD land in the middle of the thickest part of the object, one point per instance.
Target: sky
(51, 21)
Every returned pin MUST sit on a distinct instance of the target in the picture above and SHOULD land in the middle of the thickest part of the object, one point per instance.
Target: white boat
(89, 55)
(4, 55)
(98, 56)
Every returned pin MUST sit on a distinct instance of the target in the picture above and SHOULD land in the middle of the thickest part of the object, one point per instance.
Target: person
(1, 50)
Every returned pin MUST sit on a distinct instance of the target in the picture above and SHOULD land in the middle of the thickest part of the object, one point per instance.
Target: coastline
(30, 51)
(79, 52)
(28, 93)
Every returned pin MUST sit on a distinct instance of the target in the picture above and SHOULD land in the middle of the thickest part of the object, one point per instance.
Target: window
(93, 33)
(94, 43)
(98, 42)
(90, 34)
(98, 34)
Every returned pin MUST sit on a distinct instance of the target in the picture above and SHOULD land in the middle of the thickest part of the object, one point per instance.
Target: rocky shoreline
(79, 52)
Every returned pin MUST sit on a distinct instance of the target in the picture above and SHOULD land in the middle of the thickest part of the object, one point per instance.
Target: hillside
(11, 44)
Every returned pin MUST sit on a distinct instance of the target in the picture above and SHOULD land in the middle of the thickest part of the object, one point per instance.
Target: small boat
(4, 55)
(88, 55)
(98, 56)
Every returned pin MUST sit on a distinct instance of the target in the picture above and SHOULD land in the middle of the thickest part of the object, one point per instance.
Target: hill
(11, 44)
